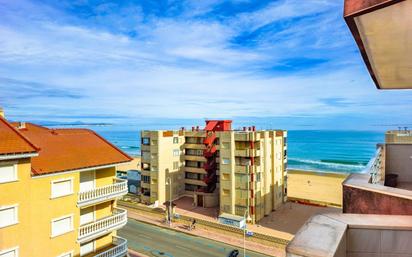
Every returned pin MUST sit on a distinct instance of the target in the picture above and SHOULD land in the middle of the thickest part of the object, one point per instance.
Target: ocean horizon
(312, 150)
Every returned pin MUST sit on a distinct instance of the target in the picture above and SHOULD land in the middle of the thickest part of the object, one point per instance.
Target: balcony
(198, 158)
(104, 193)
(247, 153)
(102, 226)
(199, 146)
(226, 184)
(145, 148)
(385, 187)
(243, 169)
(145, 173)
(247, 136)
(195, 182)
(195, 170)
(145, 185)
(118, 249)
(344, 235)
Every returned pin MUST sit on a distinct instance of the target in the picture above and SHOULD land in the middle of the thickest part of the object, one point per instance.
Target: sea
(314, 150)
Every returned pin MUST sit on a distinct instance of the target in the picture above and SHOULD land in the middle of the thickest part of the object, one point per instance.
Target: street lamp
(246, 212)
(169, 182)
(244, 230)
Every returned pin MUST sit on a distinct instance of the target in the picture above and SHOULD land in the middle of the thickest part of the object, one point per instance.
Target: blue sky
(290, 63)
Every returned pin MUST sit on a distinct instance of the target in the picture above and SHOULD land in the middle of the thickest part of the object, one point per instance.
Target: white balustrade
(118, 250)
(117, 189)
(92, 230)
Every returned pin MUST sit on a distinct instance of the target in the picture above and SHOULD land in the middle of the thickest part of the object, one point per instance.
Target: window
(8, 172)
(14, 252)
(68, 254)
(175, 165)
(176, 152)
(145, 179)
(225, 161)
(8, 215)
(62, 225)
(61, 187)
(258, 175)
(146, 141)
(175, 140)
(145, 155)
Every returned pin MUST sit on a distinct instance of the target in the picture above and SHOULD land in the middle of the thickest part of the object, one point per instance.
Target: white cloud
(187, 67)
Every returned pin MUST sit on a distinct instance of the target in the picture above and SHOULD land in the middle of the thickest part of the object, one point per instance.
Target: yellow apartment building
(58, 193)
(217, 167)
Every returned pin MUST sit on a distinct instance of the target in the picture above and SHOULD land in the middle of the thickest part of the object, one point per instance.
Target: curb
(257, 235)
(187, 233)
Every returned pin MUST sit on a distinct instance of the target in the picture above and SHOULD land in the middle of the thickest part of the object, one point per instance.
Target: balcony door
(87, 248)
(87, 180)
(87, 215)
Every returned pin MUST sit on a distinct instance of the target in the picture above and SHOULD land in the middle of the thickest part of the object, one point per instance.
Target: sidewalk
(132, 253)
(185, 208)
(213, 235)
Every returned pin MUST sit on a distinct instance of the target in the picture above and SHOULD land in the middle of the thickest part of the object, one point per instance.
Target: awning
(383, 32)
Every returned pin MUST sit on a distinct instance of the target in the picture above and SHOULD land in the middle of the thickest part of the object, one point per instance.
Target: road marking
(144, 236)
(183, 248)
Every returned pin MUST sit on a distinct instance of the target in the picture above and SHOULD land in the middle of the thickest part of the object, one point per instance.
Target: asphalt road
(156, 241)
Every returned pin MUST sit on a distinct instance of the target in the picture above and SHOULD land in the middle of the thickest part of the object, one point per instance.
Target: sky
(288, 63)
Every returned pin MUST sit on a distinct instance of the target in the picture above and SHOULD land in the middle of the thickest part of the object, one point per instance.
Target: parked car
(233, 253)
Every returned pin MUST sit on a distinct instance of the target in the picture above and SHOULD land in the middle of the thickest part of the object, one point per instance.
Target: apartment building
(58, 193)
(216, 166)
(377, 204)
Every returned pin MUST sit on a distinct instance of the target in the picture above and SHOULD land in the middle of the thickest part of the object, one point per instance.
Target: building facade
(216, 166)
(58, 193)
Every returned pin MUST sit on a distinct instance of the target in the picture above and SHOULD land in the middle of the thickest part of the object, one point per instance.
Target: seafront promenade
(270, 236)
(236, 240)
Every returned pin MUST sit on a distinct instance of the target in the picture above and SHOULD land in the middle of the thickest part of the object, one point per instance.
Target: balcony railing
(119, 248)
(104, 193)
(103, 226)
(375, 167)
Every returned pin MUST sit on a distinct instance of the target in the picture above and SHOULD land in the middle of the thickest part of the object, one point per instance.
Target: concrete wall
(316, 187)
(353, 236)
(399, 161)
(378, 242)
(368, 202)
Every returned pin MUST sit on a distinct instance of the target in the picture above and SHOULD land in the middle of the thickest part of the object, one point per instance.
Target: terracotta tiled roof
(12, 142)
(70, 149)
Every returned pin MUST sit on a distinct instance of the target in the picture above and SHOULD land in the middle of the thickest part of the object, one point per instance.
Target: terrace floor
(405, 185)
(284, 222)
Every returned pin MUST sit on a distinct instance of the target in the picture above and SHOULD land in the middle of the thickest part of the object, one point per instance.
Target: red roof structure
(12, 142)
(69, 149)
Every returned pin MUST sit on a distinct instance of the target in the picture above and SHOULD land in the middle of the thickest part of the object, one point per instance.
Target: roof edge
(35, 148)
(18, 155)
(53, 173)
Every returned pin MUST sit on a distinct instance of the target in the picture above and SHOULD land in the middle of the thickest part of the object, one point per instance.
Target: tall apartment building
(58, 193)
(217, 166)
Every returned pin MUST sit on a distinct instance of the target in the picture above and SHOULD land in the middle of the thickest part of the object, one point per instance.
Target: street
(156, 241)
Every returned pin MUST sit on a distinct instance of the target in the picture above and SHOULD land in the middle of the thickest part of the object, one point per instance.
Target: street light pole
(247, 218)
(244, 234)
(170, 201)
